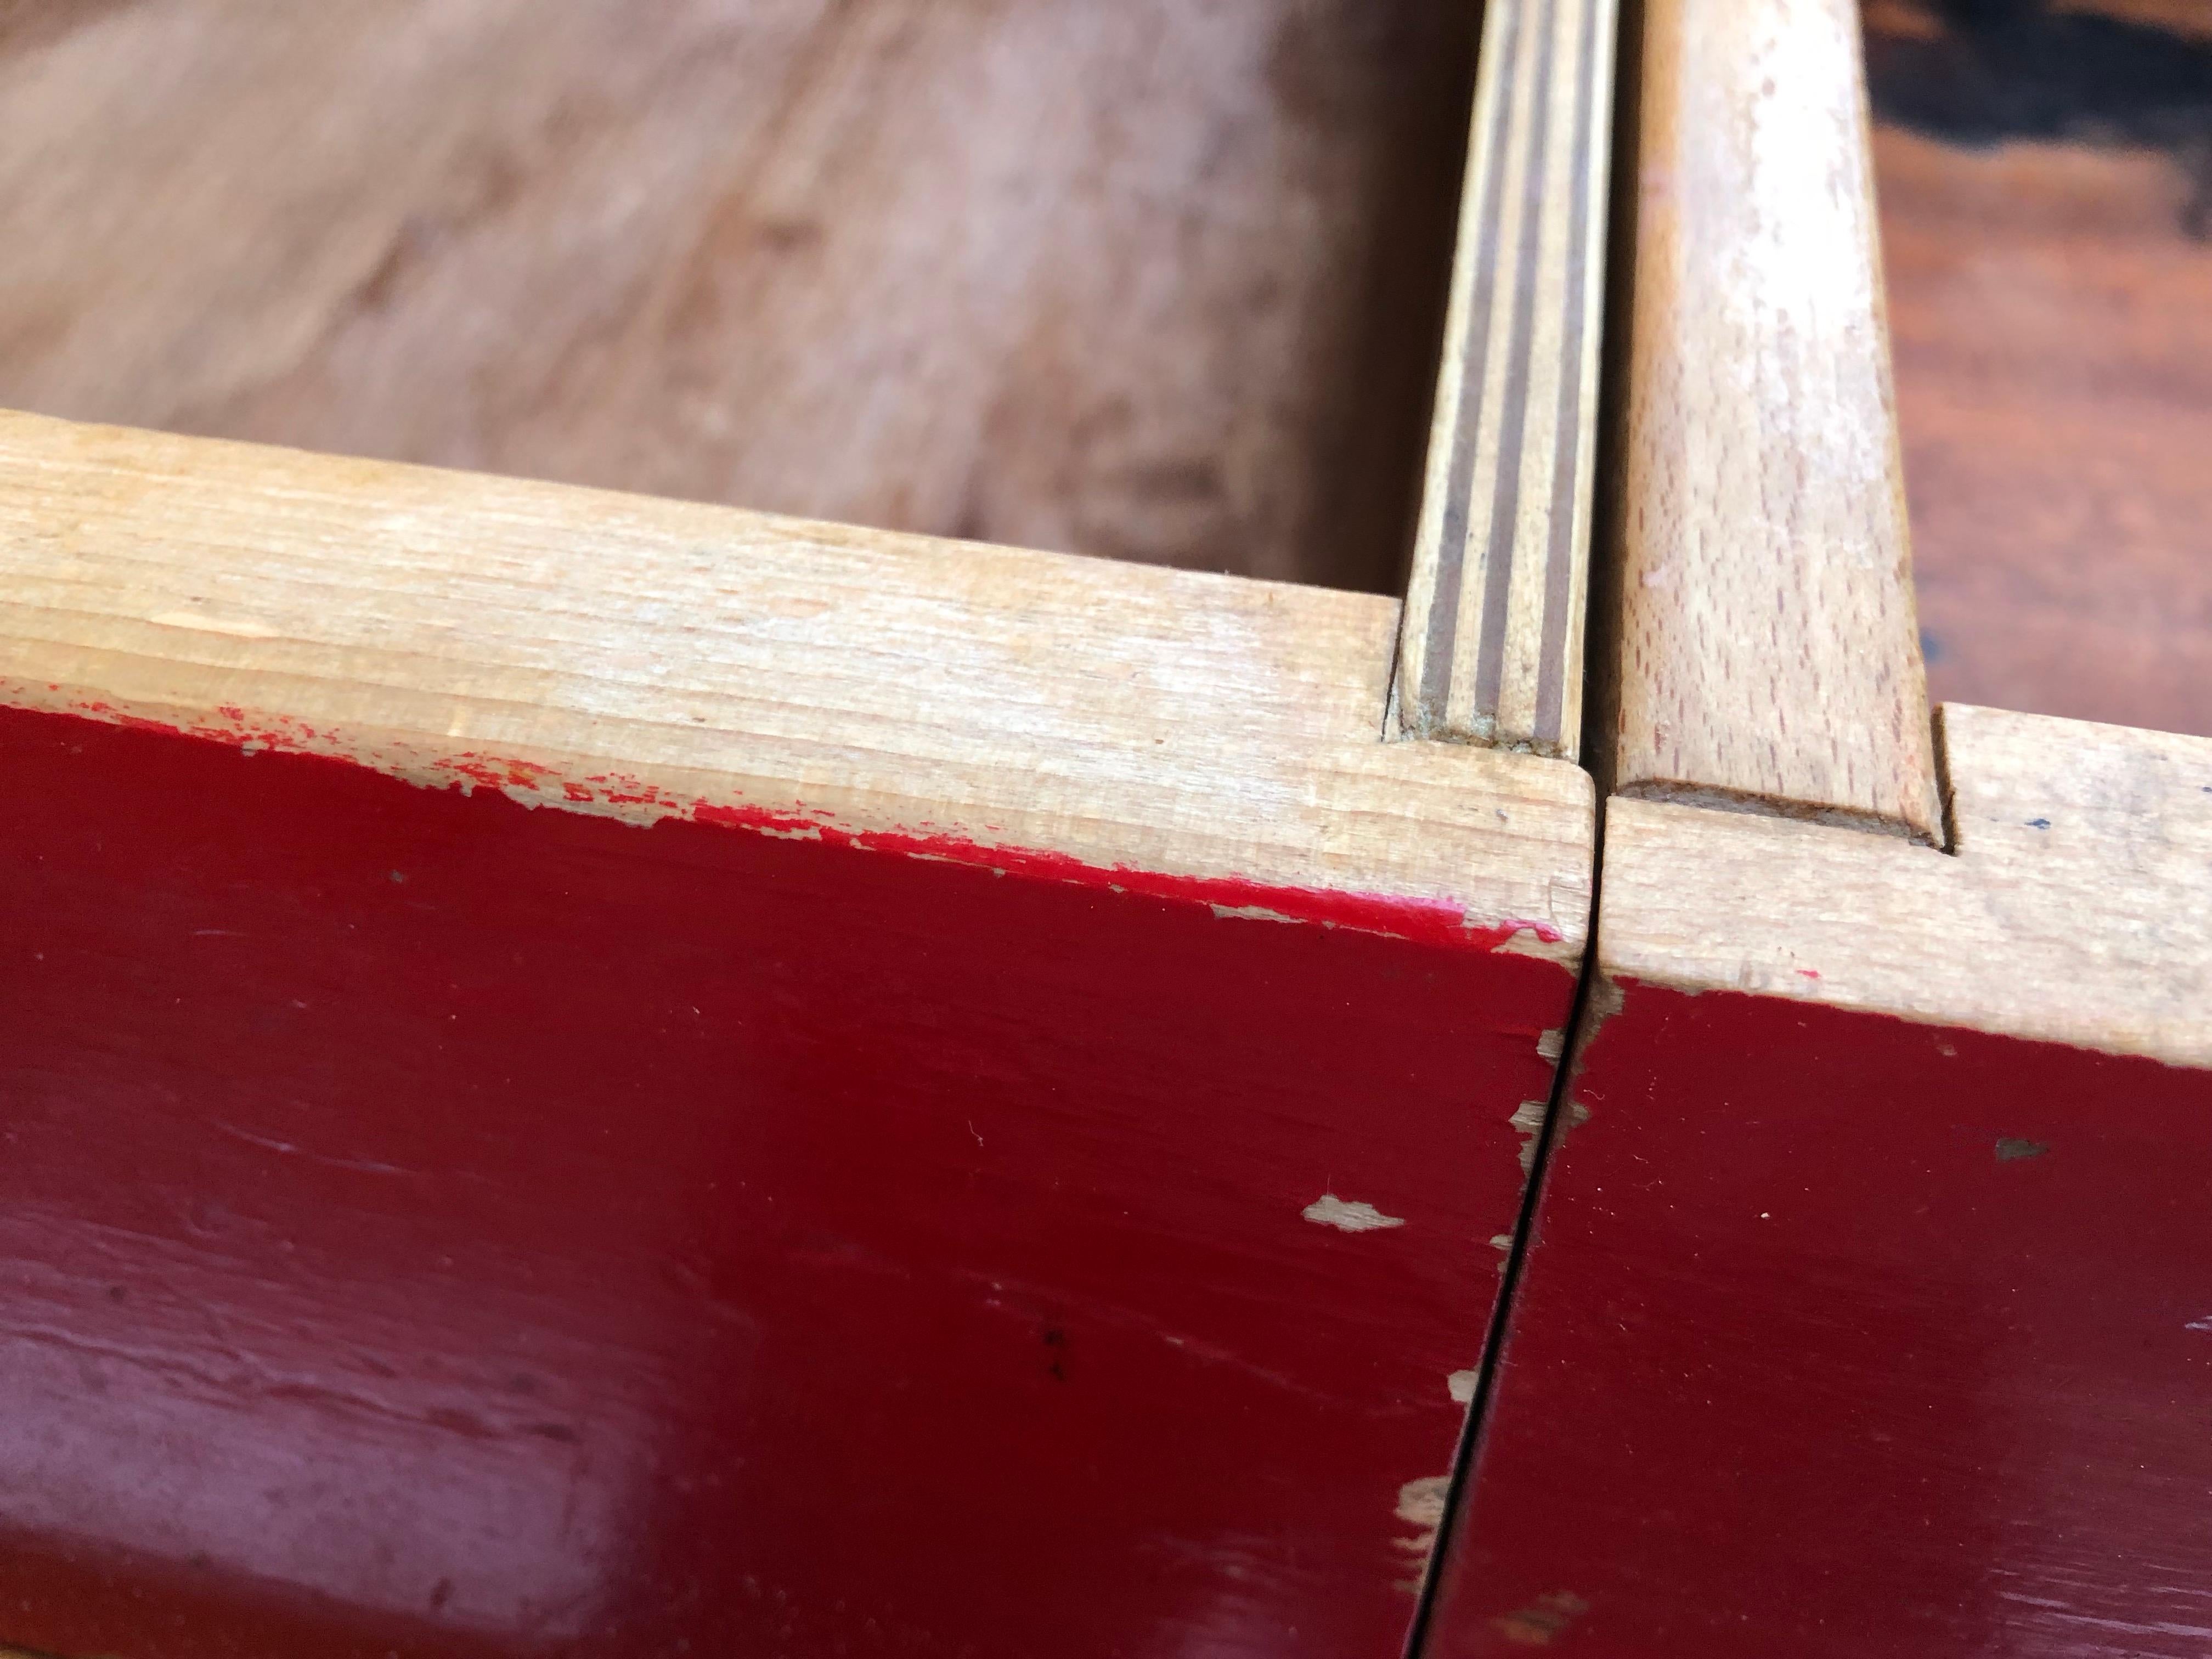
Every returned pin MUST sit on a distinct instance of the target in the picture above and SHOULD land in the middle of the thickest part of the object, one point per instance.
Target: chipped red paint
(436, 1227)
(1429, 921)
(1845, 1337)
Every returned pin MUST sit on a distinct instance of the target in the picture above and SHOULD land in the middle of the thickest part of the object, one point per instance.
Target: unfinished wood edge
(624, 656)
(1768, 643)
(1723, 800)
(2072, 910)
(1525, 893)
(1492, 640)
(1924, 801)
(31, 440)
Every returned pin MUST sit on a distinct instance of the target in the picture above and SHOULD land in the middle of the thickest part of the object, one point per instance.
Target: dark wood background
(2045, 173)
(1160, 279)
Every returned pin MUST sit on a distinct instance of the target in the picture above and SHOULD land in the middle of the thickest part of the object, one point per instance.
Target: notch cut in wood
(1492, 647)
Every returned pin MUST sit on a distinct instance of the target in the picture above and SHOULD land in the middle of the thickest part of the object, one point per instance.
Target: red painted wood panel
(1843, 1336)
(436, 1227)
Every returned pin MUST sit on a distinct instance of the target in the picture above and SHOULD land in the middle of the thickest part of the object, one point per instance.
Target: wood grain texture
(1155, 281)
(1769, 658)
(2073, 912)
(2045, 179)
(1493, 646)
(409, 619)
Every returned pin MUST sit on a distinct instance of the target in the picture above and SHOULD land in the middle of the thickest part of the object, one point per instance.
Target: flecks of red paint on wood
(1429, 920)
(437, 1226)
(1804, 1363)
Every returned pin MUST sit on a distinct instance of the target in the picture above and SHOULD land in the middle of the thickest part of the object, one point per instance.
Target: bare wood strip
(1770, 657)
(2073, 911)
(410, 620)
(1492, 646)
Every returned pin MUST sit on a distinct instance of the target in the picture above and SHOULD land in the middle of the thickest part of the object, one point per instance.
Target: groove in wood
(1492, 647)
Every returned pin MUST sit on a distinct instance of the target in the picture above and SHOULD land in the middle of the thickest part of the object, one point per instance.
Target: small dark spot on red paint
(2009, 1148)
(1056, 1340)
(560, 1431)
(2038, 823)
(442, 1594)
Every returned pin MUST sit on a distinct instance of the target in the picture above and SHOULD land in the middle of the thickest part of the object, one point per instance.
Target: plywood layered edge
(1493, 646)
(591, 652)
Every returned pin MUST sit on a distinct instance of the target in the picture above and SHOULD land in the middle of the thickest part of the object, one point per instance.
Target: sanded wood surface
(2045, 181)
(1151, 280)
(2073, 911)
(1493, 639)
(628, 655)
(1768, 657)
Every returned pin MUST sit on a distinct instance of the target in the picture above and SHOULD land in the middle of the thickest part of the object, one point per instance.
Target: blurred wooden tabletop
(1136, 277)
(2045, 178)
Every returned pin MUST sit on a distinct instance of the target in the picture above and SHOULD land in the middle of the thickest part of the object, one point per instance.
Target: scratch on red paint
(1425, 921)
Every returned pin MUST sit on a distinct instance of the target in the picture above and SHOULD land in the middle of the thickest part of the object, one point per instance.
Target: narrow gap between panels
(1598, 709)
(1459, 1495)
(1946, 792)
